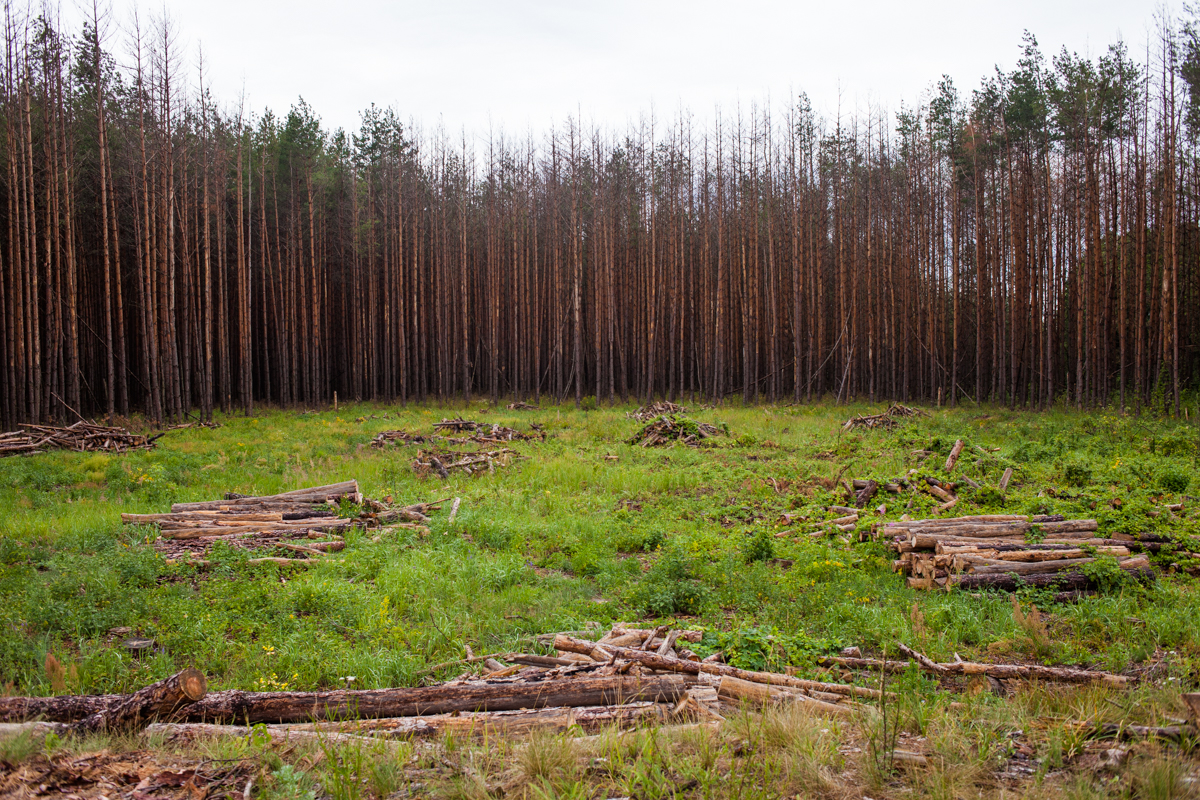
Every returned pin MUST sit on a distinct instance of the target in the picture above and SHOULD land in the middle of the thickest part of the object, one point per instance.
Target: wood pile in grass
(631, 676)
(670, 428)
(389, 438)
(441, 462)
(647, 413)
(894, 415)
(81, 437)
(521, 406)
(304, 523)
(1007, 551)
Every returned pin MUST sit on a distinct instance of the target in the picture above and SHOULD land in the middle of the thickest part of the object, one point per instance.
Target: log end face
(193, 684)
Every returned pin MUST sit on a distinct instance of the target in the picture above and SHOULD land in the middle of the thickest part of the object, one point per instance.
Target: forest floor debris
(441, 462)
(81, 436)
(671, 428)
(895, 414)
(663, 407)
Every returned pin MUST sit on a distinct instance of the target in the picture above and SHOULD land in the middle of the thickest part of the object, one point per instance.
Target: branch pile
(887, 420)
(1006, 551)
(388, 438)
(80, 437)
(280, 521)
(669, 428)
(441, 462)
(647, 413)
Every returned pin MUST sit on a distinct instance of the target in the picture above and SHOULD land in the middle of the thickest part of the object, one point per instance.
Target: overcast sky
(525, 64)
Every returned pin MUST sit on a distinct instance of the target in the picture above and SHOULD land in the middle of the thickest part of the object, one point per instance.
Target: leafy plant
(761, 547)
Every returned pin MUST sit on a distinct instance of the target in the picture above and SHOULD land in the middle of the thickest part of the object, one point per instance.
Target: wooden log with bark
(666, 664)
(159, 699)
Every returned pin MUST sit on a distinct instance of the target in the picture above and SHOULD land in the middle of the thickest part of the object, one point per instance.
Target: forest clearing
(839, 675)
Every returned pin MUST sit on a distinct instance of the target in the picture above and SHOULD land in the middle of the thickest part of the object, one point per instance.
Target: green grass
(566, 536)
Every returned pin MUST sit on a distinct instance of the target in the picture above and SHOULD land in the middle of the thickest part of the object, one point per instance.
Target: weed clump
(1174, 480)
(761, 547)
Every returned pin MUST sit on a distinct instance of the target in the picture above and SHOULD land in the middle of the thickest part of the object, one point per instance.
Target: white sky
(527, 64)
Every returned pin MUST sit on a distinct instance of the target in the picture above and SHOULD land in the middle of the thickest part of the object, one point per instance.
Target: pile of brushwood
(629, 677)
(647, 413)
(475, 433)
(895, 414)
(1008, 551)
(442, 462)
(81, 437)
(670, 428)
(305, 523)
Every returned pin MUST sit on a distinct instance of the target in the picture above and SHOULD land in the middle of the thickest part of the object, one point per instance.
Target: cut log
(761, 694)
(156, 700)
(1062, 581)
(667, 664)
(1004, 479)
(1030, 568)
(1009, 671)
(279, 707)
(955, 452)
(865, 494)
(61, 708)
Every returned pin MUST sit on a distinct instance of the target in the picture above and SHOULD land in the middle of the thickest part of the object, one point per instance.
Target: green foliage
(760, 547)
(1174, 480)
(762, 649)
(1077, 473)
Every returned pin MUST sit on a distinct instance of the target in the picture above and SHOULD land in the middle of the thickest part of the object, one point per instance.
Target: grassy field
(586, 528)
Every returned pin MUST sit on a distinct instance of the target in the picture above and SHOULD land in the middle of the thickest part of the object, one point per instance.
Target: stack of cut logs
(81, 437)
(1004, 551)
(668, 428)
(280, 521)
(655, 410)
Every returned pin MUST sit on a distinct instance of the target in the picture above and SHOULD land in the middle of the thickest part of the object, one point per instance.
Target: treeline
(1033, 242)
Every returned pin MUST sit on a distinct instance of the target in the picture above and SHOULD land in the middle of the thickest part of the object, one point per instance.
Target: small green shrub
(761, 547)
(1174, 480)
(1077, 473)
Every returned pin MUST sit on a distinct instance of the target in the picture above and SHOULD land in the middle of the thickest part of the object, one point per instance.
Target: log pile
(441, 462)
(894, 415)
(477, 433)
(1004, 552)
(80, 437)
(654, 410)
(494, 434)
(669, 428)
(520, 406)
(629, 677)
(304, 523)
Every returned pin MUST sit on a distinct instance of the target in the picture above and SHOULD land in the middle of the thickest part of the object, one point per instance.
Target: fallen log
(667, 664)
(281, 707)
(1010, 671)
(60, 708)
(761, 694)
(955, 452)
(156, 700)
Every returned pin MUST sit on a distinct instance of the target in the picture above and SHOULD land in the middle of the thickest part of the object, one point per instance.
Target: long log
(1030, 568)
(279, 707)
(314, 494)
(1062, 581)
(668, 664)
(60, 708)
(1021, 671)
(156, 700)
(518, 722)
(762, 694)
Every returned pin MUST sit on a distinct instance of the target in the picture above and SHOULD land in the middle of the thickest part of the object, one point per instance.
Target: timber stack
(305, 523)
(669, 428)
(1006, 551)
(81, 437)
(441, 462)
(655, 410)
(887, 420)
